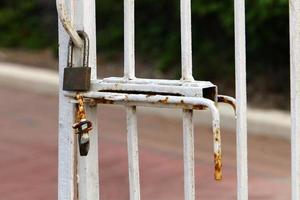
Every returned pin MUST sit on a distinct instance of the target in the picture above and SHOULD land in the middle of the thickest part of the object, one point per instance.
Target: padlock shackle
(86, 49)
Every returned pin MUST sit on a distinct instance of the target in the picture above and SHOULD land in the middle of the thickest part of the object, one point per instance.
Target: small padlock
(82, 128)
(78, 78)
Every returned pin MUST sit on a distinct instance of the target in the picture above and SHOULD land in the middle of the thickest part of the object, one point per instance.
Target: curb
(274, 123)
(29, 78)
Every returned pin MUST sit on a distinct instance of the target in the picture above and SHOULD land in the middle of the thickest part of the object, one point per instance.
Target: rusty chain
(82, 127)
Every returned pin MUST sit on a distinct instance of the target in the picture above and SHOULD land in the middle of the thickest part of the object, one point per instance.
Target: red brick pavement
(28, 159)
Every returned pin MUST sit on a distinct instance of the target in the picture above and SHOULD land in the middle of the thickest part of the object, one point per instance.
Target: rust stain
(104, 101)
(150, 95)
(217, 135)
(164, 101)
(199, 107)
(224, 100)
(182, 104)
(218, 156)
(218, 166)
(92, 103)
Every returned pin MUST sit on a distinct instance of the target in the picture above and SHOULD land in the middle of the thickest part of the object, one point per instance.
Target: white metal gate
(78, 176)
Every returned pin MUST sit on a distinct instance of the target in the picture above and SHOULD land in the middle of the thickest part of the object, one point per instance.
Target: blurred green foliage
(27, 24)
(32, 24)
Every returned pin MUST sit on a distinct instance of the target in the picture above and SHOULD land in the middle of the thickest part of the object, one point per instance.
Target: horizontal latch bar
(156, 86)
(196, 103)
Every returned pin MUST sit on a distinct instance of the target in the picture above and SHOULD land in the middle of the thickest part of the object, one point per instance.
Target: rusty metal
(227, 100)
(217, 154)
(82, 126)
(77, 78)
(191, 103)
(194, 103)
(67, 24)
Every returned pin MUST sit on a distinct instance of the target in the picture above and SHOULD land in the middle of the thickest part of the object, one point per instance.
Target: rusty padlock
(82, 129)
(78, 78)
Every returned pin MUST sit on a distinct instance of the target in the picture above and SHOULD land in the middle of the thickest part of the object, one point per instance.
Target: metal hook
(227, 100)
(217, 139)
(67, 24)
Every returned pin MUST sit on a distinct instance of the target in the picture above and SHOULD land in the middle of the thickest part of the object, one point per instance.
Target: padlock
(78, 78)
(84, 144)
(82, 128)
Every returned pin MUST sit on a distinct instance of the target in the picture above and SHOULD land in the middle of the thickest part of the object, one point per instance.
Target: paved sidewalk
(28, 159)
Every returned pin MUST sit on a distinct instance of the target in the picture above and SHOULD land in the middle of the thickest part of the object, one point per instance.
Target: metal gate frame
(295, 96)
(78, 176)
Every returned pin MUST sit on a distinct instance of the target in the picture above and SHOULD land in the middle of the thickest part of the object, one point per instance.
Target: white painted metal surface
(188, 152)
(185, 88)
(78, 176)
(188, 127)
(66, 162)
(129, 50)
(295, 96)
(241, 97)
(186, 40)
(133, 153)
(129, 74)
(67, 23)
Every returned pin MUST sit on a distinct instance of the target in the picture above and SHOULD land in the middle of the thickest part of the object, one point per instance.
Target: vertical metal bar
(188, 129)
(129, 73)
(241, 96)
(129, 54)
(86, 174)
(133, 154)
(66, 164)
(188, 146)
(295, 96)
(186, 40)
(88, 178)
(66, 184)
